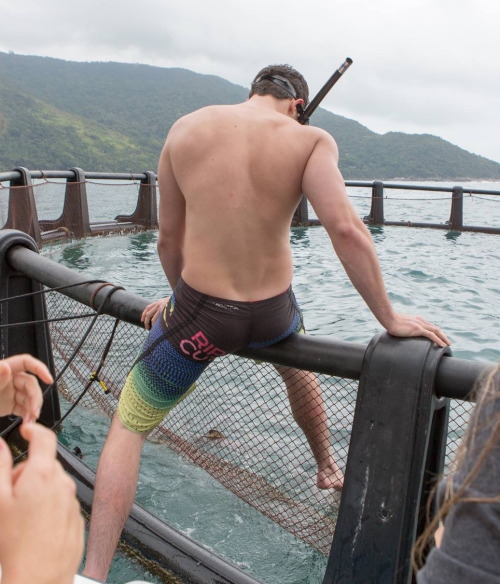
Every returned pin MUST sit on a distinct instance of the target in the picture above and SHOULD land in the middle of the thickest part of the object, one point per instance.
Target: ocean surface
(449, 278)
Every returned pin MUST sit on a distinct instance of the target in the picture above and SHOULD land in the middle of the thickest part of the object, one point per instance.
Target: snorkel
(284, 83)
(305, 114)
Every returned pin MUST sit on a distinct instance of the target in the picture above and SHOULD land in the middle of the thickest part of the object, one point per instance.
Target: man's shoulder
(206, 111)
(320, 137)
(320, 133)
(202, 116)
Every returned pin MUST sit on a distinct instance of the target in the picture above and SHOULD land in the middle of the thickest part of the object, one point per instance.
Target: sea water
(449, 278)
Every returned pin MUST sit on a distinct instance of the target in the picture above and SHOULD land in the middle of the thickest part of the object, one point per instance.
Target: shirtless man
(230, 178)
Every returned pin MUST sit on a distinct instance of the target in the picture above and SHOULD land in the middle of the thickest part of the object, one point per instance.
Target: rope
(482, 198)
(94, 376)
(443, 198)
(46, 290)
(45, 320)
(58, 289)
(83, 339)
(95, 292)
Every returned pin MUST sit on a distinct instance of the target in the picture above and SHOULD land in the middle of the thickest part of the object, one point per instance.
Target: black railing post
(435, 460)
(74, 218)
(146, 211)
(457, 208)
(76, 208)
(387, 461)
(22, 208)
(20, 302)
(376, 216)
(301, 214)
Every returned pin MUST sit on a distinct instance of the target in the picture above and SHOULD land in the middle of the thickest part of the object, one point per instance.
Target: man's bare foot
(330, 477)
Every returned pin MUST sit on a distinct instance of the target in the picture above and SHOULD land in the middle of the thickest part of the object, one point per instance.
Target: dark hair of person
(487, 390)
(263, 84)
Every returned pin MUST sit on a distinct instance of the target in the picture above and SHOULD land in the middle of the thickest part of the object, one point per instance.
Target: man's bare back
(239, 169)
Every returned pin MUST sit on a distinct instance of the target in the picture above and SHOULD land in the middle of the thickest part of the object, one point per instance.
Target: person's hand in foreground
(42, 530)
(20, 392)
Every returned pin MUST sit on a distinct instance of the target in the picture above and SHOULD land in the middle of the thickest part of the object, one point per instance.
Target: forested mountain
(56, 114)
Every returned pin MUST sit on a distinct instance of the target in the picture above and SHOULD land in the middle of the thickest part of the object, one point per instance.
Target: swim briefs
(193, 330)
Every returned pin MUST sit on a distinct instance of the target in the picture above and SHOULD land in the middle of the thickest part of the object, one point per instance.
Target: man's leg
(308, 409)
(114, 493)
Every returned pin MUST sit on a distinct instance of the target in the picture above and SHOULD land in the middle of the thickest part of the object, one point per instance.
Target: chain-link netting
(237, 425)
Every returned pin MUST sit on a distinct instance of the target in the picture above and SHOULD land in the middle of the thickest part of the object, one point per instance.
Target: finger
(442, 336)
(42, 443)
(69, 481)
(21, 363)
(64, 478)
(433, 337)
(17, 471)
(28, 397)
(156, 315)
(434, 329)
(5, 374)
(443, 339)
(5, 469)
(18, 407)
(148, 312)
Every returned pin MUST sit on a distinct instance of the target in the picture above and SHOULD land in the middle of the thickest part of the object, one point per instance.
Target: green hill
(56, 114)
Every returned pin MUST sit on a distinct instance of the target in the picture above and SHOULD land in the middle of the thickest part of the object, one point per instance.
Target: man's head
(280, 81)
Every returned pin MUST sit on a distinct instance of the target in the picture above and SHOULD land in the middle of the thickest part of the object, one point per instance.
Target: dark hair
(487, 390)
(264, 84)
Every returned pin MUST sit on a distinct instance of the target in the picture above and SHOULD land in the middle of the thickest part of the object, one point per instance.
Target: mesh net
(237, 425)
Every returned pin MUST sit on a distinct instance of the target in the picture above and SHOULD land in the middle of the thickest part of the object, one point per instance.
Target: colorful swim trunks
(195, 329)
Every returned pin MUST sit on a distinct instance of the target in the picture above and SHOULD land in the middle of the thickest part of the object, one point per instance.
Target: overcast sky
(420, 66)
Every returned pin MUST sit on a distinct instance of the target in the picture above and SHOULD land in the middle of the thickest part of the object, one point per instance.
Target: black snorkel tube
(305, 114)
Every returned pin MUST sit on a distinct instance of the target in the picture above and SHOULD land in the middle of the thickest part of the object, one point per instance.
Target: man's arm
(171, 229)
(324, 186)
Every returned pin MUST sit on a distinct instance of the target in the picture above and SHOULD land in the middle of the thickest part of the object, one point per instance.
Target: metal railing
(397, 439)
(74, 221)
(378, 193)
